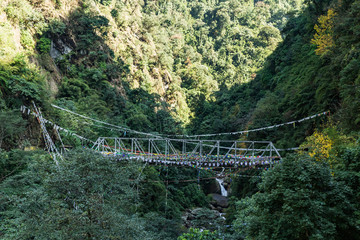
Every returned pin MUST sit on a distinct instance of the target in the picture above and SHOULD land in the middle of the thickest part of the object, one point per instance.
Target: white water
(223, 190)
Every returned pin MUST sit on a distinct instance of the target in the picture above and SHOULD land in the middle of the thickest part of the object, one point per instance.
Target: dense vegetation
(300, 78)
(179, 67)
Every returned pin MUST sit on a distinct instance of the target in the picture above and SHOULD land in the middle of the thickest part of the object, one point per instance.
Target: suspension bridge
(194, 153)
(158, 149)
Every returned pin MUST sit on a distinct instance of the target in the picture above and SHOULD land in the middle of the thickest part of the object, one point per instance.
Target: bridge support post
(132, 145)
(253, 151)
(235, 148)
(166, 148)
(183, 149)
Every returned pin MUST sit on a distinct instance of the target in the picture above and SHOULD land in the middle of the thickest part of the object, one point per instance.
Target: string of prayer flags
(255, 130)
(27, 110)
(105, 123)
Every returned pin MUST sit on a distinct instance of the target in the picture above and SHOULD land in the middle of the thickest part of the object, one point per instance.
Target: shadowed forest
(177, 69)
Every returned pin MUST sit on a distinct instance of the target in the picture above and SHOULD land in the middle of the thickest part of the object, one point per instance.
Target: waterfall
(223, 190)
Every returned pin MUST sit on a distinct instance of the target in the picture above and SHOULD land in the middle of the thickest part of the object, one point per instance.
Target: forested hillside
(179, 68)
(175, 53)
(314, 69)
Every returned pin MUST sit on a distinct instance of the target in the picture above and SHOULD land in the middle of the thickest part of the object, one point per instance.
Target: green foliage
(43, 45)
(26, 40)
(301, 200)
(246, 186)
(58, 3)
(208, 219)
(93, 80)
(114, 13)
(349, 173)
(294, 83)
(161, 193)
(153, 191)
(88, 197)
(21, 12)
(13, 162)
(57, 27)
(221, 65)
(85, 24)
(185, 194)
(104, 2)
(20, 84)
(183, 60)
(161, 227)
(7, 44)
(73, 88)
(317, 7)
(193, 196)
(197, 234)
(12, 125)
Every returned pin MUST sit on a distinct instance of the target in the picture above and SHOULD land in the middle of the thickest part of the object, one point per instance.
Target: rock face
(213, 187)
(59, 48)
(219, 201)
(203, 218)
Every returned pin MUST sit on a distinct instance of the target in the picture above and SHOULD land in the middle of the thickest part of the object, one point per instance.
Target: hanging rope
(252, 130)
(194, 136)
(108, 124)
(28, 111)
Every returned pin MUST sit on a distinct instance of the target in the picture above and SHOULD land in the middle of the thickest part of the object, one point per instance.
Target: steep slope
(315, 69)
(181, 51)
(308, 78)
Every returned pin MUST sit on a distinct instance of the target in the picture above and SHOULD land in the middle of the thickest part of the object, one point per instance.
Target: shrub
(26, 40)
(114, 13)
(43, 45)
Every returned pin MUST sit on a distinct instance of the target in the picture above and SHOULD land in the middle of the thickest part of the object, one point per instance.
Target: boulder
(202, 218)
(59, 48)
(219, 201)
(212, 187)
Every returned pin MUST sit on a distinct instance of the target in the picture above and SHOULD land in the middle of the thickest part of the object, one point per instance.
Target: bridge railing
(187, 149)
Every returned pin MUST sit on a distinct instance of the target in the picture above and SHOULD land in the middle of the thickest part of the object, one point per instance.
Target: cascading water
(223, 190)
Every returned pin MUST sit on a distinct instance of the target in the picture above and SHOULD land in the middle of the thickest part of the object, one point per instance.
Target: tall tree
(87, 197)
(11, 125)
(298, 199)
